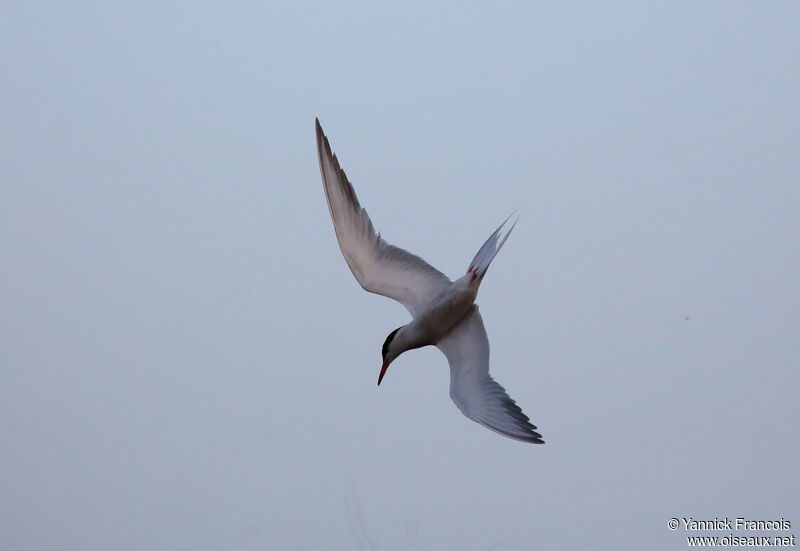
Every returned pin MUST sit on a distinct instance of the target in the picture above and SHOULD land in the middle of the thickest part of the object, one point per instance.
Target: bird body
(444, 313)
(440, 316)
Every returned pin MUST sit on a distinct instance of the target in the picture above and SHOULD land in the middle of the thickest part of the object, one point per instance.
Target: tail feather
(489, 250)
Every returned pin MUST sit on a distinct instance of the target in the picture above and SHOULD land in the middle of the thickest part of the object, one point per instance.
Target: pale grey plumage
(379, 267)
(473, 390)
(444, 312)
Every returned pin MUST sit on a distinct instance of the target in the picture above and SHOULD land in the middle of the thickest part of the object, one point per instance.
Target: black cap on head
(387, 341)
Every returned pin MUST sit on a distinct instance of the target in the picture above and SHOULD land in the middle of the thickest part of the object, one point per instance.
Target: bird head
(389, 353)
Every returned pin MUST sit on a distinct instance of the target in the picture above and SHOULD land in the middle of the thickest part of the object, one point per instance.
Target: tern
(444, 312)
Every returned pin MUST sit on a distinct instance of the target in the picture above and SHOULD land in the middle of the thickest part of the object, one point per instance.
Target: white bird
(444, 312)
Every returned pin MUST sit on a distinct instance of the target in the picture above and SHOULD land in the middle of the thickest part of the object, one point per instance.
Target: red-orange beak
(384, 367)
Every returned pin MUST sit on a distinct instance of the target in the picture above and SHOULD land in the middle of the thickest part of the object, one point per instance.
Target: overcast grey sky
(187, 362)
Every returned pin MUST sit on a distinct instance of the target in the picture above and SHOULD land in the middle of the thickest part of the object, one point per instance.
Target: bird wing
(473, 390)
(378, 266)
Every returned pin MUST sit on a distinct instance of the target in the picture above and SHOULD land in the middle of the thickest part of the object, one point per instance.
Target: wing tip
(325, 152)
(529, 436)
(536, 439)
(532, 438)
(321, 139)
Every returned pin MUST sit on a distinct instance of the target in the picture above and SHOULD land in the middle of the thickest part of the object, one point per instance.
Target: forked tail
(489, 250)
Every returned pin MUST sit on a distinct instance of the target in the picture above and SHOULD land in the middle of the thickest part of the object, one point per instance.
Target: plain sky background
(187, 362)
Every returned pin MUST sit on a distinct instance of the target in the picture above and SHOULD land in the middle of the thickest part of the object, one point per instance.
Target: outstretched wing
(473, 390)
(378, 266)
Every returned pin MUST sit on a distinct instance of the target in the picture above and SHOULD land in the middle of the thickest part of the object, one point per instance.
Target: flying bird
(444, 312)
